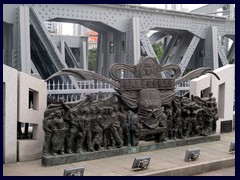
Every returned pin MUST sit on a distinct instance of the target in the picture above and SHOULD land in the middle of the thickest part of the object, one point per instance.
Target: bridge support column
(25, 39)
(211, 51)
(84, 55)
(99, 60)
(215, 47)
(136, 39)
(108, 51)
(63, 50)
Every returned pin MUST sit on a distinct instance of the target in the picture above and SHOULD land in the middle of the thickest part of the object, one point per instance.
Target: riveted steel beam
(117, 19)
(157, 36)
(181, 48)
(71, 60)
(169, 48)
(147, 45)
(136, 40)
(45, 38)
(119, 16)
(7, 43)
(221, 54)
(189, 52)
(231, 53)
(25, 39)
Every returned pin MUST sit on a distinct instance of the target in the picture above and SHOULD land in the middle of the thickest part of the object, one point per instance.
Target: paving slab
(164, 162)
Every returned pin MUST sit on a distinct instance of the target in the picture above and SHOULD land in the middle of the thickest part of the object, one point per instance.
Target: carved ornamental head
(149, 68)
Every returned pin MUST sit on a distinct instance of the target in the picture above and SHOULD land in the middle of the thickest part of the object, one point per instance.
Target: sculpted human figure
(215, 112)
(178, 123)
(193, 120)
(134, 128)
(97, 127)
(84, 131)
(87, 125)
(72, 130)
(164, 119)
(107, 138)
(186, 125)
(208, 119)
(168, 112)
(124, 125)
(58, 134)
(115, 125)
(81, 132)
(200, 123)
(162, 124)
(177, 117)
(47, 127)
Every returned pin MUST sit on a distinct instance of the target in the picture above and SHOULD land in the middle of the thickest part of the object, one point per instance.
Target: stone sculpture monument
(143, 107)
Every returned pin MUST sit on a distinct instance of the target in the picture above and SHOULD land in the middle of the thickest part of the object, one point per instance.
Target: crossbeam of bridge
(122, 36)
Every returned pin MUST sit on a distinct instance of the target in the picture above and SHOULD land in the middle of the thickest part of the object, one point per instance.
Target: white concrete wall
(30, 149)
(226, 74)
(224, 100)
(16, 109)
(10, 115)
(199, 84)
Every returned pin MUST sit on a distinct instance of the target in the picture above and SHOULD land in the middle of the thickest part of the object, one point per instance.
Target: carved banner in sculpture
(138, 84)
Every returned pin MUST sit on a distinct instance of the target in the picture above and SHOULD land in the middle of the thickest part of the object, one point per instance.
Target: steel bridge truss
(190, 40)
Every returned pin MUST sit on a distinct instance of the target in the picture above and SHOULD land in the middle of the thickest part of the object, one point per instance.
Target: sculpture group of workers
(90, 128)
(94, 128)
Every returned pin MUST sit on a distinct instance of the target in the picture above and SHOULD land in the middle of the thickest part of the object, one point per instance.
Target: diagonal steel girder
(157, 36)
(49, 46)
(147, 45)
(188, 54)
(181, 48)
(169, 48)
(231, 52)
(221, 53)
(71, 58)
(119, 17)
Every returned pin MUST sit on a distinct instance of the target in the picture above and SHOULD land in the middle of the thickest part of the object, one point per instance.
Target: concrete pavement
(164, 162)
(221, 172)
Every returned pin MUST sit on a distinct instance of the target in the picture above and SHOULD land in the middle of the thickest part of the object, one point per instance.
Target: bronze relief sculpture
(144, 105)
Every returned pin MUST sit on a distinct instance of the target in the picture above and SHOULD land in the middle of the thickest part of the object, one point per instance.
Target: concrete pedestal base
(142, 147)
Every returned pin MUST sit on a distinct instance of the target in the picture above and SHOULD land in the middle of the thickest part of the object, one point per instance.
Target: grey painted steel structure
(195, 39)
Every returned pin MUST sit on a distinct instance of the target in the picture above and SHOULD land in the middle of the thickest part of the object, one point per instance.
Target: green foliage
(92, 56)
(158, 48)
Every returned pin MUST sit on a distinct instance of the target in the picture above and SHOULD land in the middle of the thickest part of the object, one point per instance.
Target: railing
(78, 90)
(183, 88)
(73, 93)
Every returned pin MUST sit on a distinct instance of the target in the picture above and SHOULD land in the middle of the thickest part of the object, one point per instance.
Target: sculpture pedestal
(142, 147)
